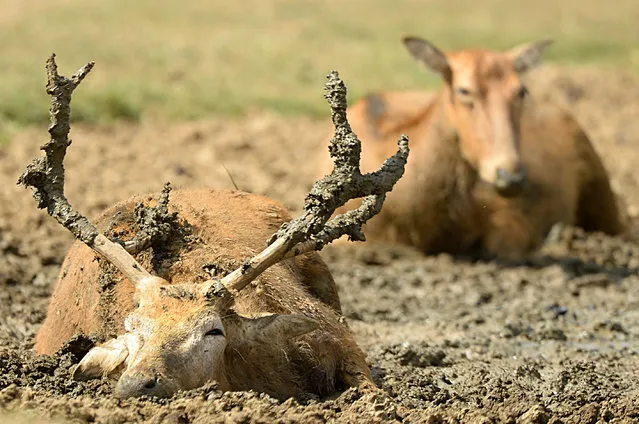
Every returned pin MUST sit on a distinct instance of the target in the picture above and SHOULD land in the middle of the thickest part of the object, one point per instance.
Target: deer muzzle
(510, 183)
(142, 384)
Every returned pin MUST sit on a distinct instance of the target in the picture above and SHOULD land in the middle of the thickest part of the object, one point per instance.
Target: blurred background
(188, 59)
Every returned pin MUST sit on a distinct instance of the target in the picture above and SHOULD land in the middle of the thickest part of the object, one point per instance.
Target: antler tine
(46, 176)
(313, 230)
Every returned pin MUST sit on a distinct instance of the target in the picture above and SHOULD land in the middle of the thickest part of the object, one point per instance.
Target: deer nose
(510, 184)
(140, 384)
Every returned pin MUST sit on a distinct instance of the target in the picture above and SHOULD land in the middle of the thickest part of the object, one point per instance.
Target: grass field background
(176, 60)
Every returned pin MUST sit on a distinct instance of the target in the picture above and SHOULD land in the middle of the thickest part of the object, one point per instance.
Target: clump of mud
(551, 339)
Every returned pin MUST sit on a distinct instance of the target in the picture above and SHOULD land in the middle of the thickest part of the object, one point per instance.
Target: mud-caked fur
(283, 335)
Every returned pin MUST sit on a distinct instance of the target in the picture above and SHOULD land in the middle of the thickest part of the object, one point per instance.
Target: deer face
(176, 339)
(485, 102)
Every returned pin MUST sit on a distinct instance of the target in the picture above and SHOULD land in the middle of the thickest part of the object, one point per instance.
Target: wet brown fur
(441, 205)
(231, 227)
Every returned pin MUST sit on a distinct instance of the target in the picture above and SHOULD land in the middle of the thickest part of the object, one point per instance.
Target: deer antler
(46, 176)
(310, 231)
(313, 230)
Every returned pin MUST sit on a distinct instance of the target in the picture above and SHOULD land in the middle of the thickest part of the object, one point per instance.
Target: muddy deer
(491, 171)
(219, 306)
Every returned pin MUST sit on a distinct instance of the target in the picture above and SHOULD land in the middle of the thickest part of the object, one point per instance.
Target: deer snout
(141, 384)
(510, 183)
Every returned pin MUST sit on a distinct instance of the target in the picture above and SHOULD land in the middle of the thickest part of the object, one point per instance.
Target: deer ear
(426, 53)
(107, 358)
(527, 56)
(277, 327)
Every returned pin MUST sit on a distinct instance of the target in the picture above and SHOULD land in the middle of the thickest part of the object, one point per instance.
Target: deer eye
(465, 97)
(214, 332)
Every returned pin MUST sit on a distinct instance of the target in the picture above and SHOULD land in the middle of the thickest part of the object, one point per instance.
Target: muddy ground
(554, 339)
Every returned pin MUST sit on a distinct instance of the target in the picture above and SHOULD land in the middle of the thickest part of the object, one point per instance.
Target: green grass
(191, 58)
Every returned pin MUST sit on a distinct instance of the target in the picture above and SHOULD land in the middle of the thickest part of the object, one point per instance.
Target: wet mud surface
(553, 339)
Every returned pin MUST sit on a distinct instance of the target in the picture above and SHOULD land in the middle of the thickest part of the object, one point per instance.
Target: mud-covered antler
(310, 231)
(313, 230)
(46, 176)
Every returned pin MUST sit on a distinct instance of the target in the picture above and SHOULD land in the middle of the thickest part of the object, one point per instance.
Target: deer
(236, 293)
(491, 170)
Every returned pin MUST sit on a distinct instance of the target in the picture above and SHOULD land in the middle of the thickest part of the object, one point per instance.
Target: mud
(553, 339)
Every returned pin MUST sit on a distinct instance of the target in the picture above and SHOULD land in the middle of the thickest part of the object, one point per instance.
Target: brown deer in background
(222, 307)
(491, 170)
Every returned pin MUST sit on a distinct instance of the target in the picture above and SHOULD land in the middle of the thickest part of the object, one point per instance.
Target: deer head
(176, 339)
(485, 99)
(177, 335)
